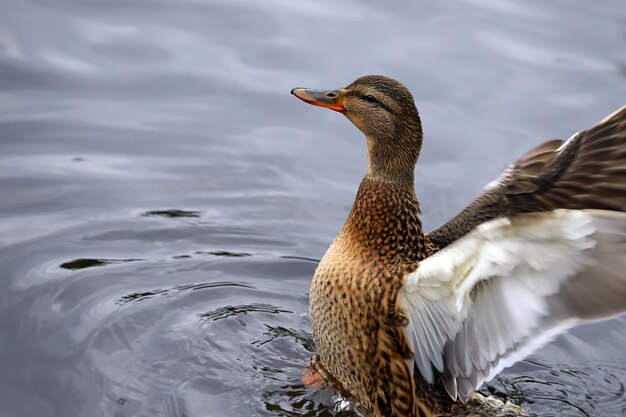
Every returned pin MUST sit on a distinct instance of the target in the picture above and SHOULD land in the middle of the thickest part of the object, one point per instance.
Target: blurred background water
(163, 199)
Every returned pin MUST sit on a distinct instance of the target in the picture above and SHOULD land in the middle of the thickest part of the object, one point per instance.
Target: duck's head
(383, 109)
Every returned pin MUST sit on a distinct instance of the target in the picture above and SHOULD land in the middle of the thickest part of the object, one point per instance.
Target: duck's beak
(332, 99)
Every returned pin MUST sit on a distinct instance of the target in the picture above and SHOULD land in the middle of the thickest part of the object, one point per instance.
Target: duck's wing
(508, 287)
(588, 171)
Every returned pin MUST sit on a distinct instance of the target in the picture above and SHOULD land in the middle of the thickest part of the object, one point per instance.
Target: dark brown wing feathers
(586, 172)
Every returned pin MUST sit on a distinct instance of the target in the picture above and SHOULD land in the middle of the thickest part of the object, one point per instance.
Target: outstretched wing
(588, 171)
(510, 286)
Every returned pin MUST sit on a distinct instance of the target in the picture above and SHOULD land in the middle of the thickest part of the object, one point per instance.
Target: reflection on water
(173, 213)
(88, 263)
(165, 201)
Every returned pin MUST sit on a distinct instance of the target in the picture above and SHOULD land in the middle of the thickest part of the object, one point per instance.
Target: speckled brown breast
(356, 323)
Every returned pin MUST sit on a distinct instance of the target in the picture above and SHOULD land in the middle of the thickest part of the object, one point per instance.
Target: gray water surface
(163, 198)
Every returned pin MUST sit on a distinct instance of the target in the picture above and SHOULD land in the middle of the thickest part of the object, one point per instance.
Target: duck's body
(355, 290)
(408, 329)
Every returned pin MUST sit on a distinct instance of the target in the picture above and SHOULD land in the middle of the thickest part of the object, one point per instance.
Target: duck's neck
(392, 157)
(384, 220)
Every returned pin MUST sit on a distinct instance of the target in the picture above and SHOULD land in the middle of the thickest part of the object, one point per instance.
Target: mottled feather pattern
(356, 320)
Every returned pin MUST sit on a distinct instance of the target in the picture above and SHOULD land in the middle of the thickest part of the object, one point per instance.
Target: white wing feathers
(510, 286)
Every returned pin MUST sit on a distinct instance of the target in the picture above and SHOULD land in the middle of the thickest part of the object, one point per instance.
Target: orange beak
(332, 99)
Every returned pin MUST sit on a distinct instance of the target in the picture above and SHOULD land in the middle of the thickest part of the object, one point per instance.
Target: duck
(412, 323)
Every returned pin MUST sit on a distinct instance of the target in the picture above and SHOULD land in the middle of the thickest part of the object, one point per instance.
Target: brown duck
(412, 323)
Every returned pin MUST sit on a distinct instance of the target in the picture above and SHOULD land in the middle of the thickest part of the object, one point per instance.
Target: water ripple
(233, 311)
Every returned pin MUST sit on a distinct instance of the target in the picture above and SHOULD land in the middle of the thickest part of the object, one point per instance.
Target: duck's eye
(371, 99)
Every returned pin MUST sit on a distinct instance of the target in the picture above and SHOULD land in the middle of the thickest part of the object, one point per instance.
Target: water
(164, 199)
